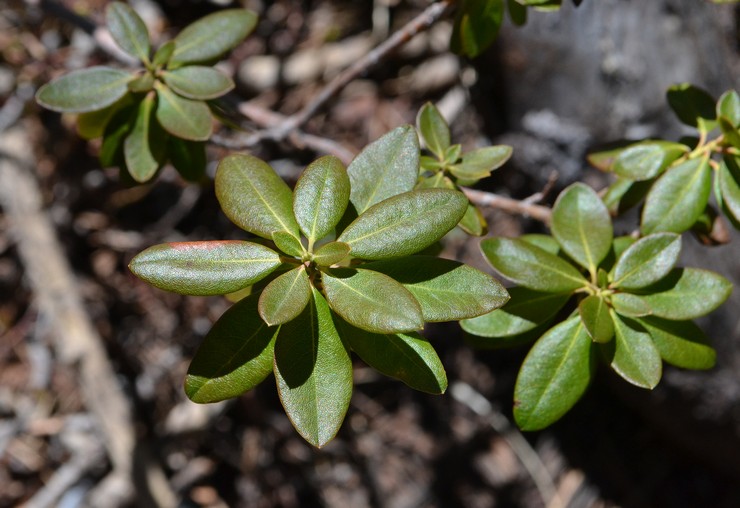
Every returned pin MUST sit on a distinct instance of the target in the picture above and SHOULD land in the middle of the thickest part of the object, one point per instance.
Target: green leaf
(681, 343)
(517, 12)
(385, 168)
(647, 261)
(525, 311)
(730, 132)
(630, 305)
(140, 160)
(687, 293)
(646, 160)
(728, 106)
(84, 90)
(479, 163)
(198, 82)
(531, 266)
(729, 185)
(92, 124)
(320, 197)
(473, 222)
(288, 244)
(128, 30)
(313, 370)
(476, 26)
(544, 242)
(678, 197)
(452, 154)
(582, 226)
(692, 105)
(254, 197)
(213, 35)
(404, 224)
(111, 151)
(603, 159)
(188, 157)
(163, 54)
(434, 130)
(181, 117)
(235, 356)
(331, 253)
(633, 355)
(285, 297)
(142, 83)
(623, 194)
(408, 357)
(446, 290)
(204, 268)
(596, 319)
(371, 301)
(554, 375)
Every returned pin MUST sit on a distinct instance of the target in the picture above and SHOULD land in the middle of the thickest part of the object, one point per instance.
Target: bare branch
(510, 205)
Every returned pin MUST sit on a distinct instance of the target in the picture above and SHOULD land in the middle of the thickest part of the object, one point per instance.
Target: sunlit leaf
(473, 222)
(681, 343)
(128, 30)
(285, 297)
(646, 160)
(647, 261)
(321, 197)
(729, 186)
(627, 304)
(633, 355)
(596, 319)
(84, 90)
(163, 54)
(198, 82)
(479, 163)
(331, 253)
(181, 117)
(213, 35)
(728, 106)
(434, 130)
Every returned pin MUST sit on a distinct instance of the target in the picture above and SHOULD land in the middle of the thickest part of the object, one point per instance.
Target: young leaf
(142, 83)
(728, 106)
(198, 82)
(188, 157)
(213, 35)
(204, 268)
(128, 30)
(479, 163)
(446, 290)
(285, 297)
(404, 224)
(235, 356)
(633, 355)
(385, 168)
(84, 90)
(320, 197)
(647, 261)
(289, 244)
(646, 160)
(473, 222)
(692, 105)
(408, 357)
(582, 226)
(434, 130)
(181, 117)
(729, 185)
(331, 253)
(687, 293)
(554, 375)
(525, 311)
(163, 54)
(371, 301)
(314, 373)
(681, 343)
(476, 26)
(627, 304)
(136, 149)
(596, 319)
(531, 266)
(678, 197)
(254, 197)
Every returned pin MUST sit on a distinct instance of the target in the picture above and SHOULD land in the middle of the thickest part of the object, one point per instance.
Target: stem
(513, 206)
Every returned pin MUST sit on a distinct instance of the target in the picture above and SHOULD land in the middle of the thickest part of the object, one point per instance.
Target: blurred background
(92, 360)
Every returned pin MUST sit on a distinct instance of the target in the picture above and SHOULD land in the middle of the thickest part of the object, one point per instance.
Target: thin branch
(510, 205)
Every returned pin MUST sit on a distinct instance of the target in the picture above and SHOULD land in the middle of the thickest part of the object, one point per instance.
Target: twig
(510, 205)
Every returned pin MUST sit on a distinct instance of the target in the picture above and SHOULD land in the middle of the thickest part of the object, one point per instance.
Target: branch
(513, 206)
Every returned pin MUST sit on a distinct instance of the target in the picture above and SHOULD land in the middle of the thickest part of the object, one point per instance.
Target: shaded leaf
(198, 82)
(143, 83)
(84, 90)
(371, 301)
(691, 104)
(645, 160)
(730, 132)
(517, 12)
(687, 293)
(213, 35)
(728, 106)
(163, 54)
(647, 261)
(473, 222)
(314, 373)
(331, 253)
(235, 356)
(476, 26)
(140, 160)
(92, 124)
(181, 117)
(479, 163)
(624, 194)
(204, 268)
(681, 343)
(320, 197)
(434, 130)
(596, 318)
(729, 186)
(285, 297)
(633, 355)
(111, 151)
(188, 157)
(128, 30)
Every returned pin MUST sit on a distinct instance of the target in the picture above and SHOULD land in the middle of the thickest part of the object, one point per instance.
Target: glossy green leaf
(453, 153)
(643, 161)
(313, 370)
(288, 244)
(235, 356)
(647, 261)
(446, 290)
(408, 357)
(198, 82)
(404, 224)
(730, 132)
(84, 90)
(678, 197)
(385, 168)
(213, 35)
(140, 160)
(128, 30)
(596, 318)
(320, 197)
(371, 301)
(582, 226)
(603, 159)
(633, 354)
(476, 26)
(188, 157)
(681, 343)
(181, 117)
(479, 163)
(729, 185)
(254, 197)
(331, 253)
(728, 106)
(554, 375)
(691, 104)
(627, 304)
(544, 242)
(204, 268)
(285, 297)
(163, 54)
(531, 266)
(687, 293)
(473, 222)
(434, 130)
(525, 311)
